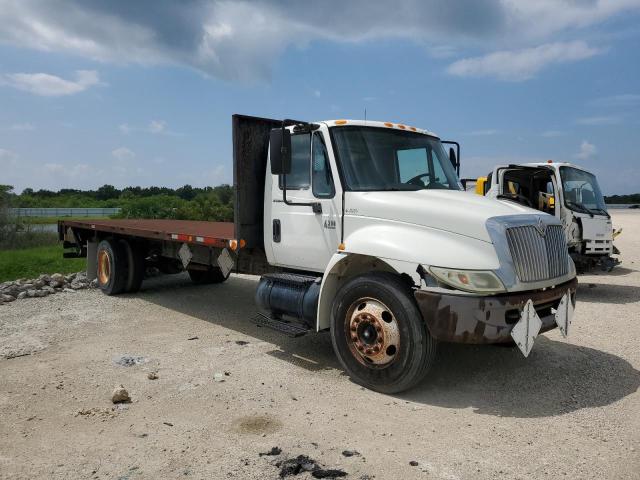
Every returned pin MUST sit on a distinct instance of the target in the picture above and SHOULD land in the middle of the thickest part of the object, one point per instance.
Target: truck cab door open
(306, 237)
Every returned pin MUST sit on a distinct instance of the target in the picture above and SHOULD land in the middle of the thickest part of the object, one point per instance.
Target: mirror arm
(315, 206)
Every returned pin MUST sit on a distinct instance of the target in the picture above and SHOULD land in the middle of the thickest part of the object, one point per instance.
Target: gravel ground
(571, 410)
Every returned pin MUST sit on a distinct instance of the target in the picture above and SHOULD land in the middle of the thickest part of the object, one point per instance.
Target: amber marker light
(340, 122)
(341, 246)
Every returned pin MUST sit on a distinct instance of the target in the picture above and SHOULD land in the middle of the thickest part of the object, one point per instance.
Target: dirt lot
(571, 410)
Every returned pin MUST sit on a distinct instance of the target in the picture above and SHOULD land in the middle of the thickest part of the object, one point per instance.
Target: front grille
(538, 257)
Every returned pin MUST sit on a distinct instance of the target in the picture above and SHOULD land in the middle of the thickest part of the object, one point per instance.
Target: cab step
(291, 329)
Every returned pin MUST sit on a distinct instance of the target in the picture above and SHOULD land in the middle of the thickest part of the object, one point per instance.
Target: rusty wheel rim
(372, 332)
(104, 267)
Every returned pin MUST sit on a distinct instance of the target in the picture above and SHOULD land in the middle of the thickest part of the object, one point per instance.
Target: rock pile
(43, 285)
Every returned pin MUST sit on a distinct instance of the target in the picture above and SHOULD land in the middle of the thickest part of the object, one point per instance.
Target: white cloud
(22, 127)
(552, 133)
(53, 168)
(587, 150)
(123, 154)
(518, 65)
(485, 132)
(157, 126)
(623, 100)
(601, 120)
(442, 51)
(317, 93)
(48, 85)
(125, 128)
(241, 39)
(7, 157)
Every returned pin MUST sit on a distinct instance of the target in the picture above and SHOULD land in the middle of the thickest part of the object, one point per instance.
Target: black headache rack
(250, 150)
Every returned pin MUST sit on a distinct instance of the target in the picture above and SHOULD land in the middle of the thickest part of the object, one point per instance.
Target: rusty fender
(486, 319)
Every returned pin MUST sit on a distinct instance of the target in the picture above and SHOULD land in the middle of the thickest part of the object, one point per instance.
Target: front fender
(400, 248)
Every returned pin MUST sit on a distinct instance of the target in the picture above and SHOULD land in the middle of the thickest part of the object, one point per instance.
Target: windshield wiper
(580, 207)
(601, 210)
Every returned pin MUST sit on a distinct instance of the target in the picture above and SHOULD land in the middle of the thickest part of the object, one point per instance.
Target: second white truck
(568, 192)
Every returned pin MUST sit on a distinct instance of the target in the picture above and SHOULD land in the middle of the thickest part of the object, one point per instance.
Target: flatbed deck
(216, 234)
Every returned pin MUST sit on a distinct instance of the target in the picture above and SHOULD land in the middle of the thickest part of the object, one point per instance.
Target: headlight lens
(476, 281)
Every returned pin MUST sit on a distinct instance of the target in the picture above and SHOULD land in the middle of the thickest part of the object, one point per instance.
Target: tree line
(184, 203)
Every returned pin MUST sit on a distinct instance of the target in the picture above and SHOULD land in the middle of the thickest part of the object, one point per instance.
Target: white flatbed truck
(361, 228)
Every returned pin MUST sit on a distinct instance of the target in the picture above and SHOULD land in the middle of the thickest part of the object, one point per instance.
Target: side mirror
(280, 151)
(452, 157)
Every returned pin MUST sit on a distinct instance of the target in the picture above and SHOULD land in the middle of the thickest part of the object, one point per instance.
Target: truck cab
(373, 215)
(571, 194)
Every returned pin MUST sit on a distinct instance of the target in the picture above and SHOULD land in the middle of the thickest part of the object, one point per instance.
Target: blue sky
(142, 93)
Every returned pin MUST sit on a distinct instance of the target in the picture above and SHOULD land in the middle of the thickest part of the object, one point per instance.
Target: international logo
(541, 227)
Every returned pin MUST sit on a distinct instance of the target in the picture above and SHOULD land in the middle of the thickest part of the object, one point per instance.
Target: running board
(291, 329)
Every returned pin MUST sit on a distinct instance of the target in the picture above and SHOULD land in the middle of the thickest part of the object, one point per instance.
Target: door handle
(276, 230)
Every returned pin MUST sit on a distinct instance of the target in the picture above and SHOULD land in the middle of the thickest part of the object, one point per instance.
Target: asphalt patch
(302, 464)
(273, 452)
(129, 360)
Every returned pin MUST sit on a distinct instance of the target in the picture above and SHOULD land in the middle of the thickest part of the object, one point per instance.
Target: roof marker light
(388, 124)
(340, 122)
(402, 127)
(549, 161)
(414, 129)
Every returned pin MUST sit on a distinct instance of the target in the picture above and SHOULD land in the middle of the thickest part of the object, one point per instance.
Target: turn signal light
(341, 246)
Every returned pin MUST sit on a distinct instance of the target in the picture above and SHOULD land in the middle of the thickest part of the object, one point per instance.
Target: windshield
(581, 191)
(384, 159)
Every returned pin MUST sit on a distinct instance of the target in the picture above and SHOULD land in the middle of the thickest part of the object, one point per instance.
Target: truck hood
(454, 211)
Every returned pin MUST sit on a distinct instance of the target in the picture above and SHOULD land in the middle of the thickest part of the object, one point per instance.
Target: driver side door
(303, 239)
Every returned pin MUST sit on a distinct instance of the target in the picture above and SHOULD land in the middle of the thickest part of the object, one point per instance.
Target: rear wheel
(212, 275)
(112, 267)
(378, 333)
(136, 266)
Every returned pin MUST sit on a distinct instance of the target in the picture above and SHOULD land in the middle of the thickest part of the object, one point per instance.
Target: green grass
(50, 220)
(31, 262)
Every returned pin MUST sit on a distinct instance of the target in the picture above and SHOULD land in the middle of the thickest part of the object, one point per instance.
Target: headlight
(476, 281)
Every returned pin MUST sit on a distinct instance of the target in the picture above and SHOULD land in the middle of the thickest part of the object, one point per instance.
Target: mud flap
(525, 332)
(564, 314)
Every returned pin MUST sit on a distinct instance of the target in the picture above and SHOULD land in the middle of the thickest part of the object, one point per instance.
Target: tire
(406, 350)
(112, 267)
(135, 266)
(205, 277)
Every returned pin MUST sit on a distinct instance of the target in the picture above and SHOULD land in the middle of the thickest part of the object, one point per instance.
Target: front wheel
(379, 335)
